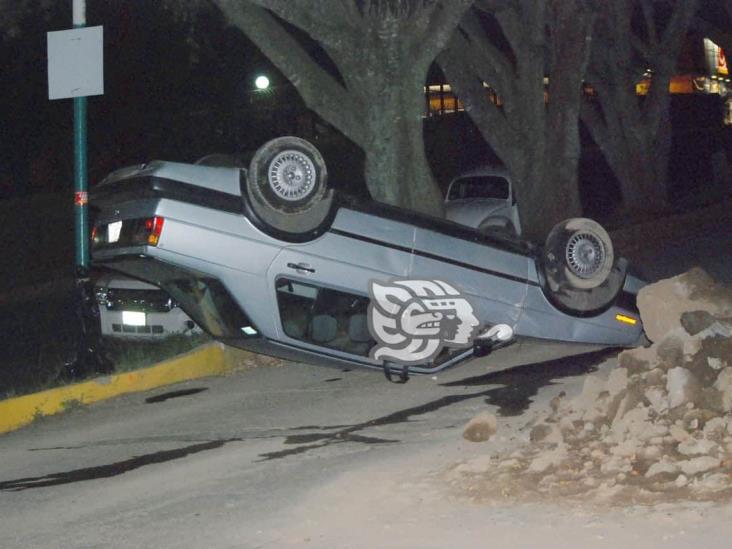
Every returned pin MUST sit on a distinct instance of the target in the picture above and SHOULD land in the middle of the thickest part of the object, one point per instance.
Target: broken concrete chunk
(715, 428)
(723, 384)
(681, 386)
(658, 399)
(591, 389)
(639, 359)
(715, 363)
(670, 350)
(699, 465)
(713, 482)
(697, 447)
(627, 448)
(616, 464)
(696, 321)
(545, 433)
(679, 433)
(655, 377)
(548, 460)
(668, 468)
(481, 428)
(661, 304)
(617, 382)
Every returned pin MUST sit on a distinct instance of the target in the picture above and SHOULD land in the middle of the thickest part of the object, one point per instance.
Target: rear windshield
(479, 186)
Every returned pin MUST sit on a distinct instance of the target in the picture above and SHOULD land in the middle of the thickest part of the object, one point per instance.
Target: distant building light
(261, 82)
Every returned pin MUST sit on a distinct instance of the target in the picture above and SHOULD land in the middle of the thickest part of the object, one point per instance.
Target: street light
(261, 82)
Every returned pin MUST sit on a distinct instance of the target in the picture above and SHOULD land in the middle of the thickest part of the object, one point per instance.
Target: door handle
(301, 267)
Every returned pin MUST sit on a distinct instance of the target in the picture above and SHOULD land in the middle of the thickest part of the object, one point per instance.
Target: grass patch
(72, 404)
(48, 370)
(128, 355)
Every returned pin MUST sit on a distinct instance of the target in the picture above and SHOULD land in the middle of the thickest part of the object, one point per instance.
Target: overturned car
(270, 259)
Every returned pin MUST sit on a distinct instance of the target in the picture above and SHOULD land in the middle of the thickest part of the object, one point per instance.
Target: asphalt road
(286, 456)
(229, 458)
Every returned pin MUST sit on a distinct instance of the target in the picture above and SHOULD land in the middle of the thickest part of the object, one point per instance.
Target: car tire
(578, 253)
(287, 186)
(288, 175)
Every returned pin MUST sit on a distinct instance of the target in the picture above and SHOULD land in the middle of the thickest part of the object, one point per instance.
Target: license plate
(113, 231)
(133, 318)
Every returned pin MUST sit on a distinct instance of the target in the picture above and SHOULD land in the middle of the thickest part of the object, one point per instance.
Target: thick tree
(382, 50)
(532, 127)
(633, 37)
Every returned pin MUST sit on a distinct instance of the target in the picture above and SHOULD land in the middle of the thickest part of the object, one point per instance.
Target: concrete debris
(681, 386)
(481, 428)
(662, 304)
(659, 426)
(701, 464)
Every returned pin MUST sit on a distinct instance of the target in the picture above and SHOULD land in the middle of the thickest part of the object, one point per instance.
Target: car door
(320, 288)
(492, 278)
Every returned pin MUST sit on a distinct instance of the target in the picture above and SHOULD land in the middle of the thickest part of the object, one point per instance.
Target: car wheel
(287, 186)
(288, 175)
(578, 252)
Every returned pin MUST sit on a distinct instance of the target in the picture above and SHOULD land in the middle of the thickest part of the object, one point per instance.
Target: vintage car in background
(132, 309)
(483, 198)
(271, 259)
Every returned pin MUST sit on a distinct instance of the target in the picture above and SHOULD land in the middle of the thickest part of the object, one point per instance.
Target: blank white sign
(75, 63)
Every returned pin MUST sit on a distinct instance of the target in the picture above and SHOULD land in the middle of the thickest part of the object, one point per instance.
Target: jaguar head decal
(412, 320)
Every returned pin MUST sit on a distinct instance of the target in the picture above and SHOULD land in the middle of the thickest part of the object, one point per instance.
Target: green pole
(80, 186)
(81, 200)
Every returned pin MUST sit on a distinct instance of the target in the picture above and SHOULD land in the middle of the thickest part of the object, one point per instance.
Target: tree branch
(320, 91)
(649, 22)
(483, 112)
(664, 60)
(326, 21)
(489, 63)
(442, 24)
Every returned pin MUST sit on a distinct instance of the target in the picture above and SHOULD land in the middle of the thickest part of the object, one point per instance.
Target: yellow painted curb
(209, 360)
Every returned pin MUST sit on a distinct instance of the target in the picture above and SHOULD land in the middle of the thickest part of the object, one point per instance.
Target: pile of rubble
(658, 426)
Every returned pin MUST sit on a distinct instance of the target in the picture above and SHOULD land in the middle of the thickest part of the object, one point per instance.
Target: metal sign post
(75, 70)
(81, 194)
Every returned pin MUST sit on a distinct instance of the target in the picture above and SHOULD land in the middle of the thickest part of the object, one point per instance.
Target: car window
(207, 301)
(480, 186)
(323, 316)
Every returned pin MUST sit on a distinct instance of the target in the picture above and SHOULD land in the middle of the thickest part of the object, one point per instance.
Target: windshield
(208, 302)
(479, 186)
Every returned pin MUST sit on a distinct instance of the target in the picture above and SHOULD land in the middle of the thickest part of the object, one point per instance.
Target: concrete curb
(209, 360)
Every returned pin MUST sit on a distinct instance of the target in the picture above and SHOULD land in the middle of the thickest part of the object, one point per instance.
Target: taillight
(154, 227)
(128, 232)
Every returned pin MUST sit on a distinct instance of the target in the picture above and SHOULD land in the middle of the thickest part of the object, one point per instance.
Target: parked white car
(483, 198)
(132, 309)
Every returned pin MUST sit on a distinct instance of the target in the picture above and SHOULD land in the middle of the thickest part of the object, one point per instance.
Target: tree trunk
(397, 171)
(642, 172)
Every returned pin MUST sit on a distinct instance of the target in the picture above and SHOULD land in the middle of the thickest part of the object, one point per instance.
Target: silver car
(483, 198)
(270, 259)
